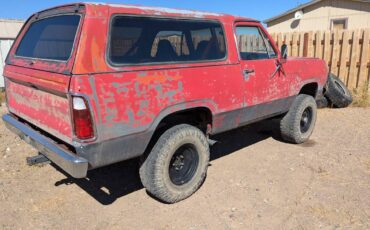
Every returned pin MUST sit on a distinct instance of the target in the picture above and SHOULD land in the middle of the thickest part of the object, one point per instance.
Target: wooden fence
(346, 52)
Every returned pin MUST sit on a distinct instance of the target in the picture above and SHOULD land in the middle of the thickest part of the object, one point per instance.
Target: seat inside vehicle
(165, 51)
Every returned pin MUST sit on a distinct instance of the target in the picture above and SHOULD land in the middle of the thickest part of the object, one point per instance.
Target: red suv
(89, 85)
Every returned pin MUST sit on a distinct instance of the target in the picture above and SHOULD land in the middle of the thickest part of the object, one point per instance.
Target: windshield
(50, 38)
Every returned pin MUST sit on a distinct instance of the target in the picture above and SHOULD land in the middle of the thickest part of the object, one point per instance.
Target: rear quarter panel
(132, 102)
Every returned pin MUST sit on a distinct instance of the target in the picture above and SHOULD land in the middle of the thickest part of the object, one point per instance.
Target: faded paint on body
(45, 110)
(130, 102)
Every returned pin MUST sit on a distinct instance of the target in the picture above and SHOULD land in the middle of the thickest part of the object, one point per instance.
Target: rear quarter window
(50, 38)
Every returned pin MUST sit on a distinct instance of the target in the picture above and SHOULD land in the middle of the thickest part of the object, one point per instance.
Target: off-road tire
(337, 92)
(155, 170)
(291, 124)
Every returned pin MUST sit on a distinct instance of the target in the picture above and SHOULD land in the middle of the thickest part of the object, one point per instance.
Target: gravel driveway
(255, 181)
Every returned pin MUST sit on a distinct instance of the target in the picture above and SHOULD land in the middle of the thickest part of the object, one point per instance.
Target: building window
(339, 24)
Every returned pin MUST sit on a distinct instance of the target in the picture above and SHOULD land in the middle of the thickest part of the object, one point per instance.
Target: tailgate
(38, 69)
(41, 99)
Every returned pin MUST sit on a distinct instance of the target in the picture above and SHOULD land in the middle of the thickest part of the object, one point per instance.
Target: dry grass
(361, 97)
(2, 97)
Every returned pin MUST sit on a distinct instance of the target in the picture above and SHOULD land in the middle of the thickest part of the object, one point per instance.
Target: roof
(300, 7)
(172, 11)
(9, 28)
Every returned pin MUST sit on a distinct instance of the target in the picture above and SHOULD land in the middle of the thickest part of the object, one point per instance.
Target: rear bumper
(75, 166)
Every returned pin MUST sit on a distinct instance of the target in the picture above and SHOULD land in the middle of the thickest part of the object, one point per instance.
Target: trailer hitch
(38, 159)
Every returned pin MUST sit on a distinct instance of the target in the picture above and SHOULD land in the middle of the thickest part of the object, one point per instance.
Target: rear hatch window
(50, 38)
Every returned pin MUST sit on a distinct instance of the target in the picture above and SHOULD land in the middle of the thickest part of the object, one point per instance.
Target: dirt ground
(255, 181)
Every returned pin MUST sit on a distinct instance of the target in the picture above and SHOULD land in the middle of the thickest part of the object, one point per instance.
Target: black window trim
(46, 17)
(265, 39)
(115, 65)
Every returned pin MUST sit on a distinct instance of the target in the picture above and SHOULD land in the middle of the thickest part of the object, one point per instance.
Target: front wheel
(298, 124)
(177, 165)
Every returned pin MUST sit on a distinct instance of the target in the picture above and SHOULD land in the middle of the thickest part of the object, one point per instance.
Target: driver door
(258, 59)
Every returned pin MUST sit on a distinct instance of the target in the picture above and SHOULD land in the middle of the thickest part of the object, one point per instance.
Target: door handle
(247, 73)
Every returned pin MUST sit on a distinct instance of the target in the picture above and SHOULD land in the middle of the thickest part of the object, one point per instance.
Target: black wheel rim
(183, 164)
(340, 87)
(306, 120)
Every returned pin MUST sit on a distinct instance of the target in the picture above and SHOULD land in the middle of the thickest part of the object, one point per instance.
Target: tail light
(83, 126)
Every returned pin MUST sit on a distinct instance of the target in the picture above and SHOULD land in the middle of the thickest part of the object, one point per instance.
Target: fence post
(318, 46)
(363, 73)
(295, 52)
(352, 81)
(343, 73)
(305, 45)
(279, 40)
(288, 38)
(301, 40)
(335, 53)
(327, 50)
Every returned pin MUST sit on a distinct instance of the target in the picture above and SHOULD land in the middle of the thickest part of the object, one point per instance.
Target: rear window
(138, 40)
(50, 38)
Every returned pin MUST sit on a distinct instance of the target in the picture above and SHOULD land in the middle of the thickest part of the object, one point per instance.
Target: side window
(252, 45)
(140, 40)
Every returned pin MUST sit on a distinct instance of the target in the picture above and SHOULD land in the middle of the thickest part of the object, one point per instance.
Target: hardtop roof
(164, 11)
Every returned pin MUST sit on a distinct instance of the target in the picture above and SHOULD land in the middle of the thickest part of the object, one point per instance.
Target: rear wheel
(298, 124)
(177, 165)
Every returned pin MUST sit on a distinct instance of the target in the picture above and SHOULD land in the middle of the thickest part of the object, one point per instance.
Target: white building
(322, 15)
(9, 30)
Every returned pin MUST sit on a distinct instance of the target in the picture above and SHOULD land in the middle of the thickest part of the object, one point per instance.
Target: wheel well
(309, 89)
(199, 117)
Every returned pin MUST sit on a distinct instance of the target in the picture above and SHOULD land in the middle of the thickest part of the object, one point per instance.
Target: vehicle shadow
(108, 184)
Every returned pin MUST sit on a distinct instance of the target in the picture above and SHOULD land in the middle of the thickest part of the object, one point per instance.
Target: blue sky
(258, 9)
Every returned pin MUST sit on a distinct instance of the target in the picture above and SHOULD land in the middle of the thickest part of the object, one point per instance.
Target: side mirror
(284, 51)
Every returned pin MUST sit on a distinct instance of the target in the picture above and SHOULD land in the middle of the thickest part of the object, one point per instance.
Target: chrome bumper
(75, 166)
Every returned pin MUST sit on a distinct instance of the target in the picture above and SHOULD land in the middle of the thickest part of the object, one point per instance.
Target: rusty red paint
(128, 99)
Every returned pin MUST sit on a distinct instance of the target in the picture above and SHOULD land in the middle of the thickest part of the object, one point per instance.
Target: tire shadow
(109, 183)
